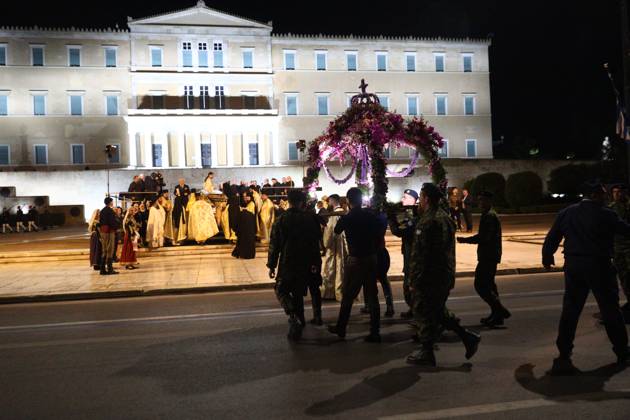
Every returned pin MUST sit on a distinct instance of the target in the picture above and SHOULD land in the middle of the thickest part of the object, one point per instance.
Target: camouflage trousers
(622, 265)
(432, 315)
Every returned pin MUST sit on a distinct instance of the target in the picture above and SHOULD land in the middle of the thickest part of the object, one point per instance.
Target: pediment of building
(200, 16)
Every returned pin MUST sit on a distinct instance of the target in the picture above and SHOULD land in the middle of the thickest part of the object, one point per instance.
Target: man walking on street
(488, 242)
(588, 229)
(294, 249)
(432, 275)
(362, 235)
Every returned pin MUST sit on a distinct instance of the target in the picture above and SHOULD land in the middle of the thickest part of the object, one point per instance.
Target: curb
(214, 289)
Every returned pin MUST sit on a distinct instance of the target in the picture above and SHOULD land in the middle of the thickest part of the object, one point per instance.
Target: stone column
(262, 149)
(275, 146)
(165, 149)
(245, 149)
(148, 150)
(133, 149)
(181, 149)
(214, 150)
(197, 149)
(230, 148)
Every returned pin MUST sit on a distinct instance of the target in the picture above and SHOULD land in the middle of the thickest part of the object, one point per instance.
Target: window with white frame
(4, 104)
(37, 55)
(3, 54)
(111, 104)
(351, 60)
(322, 103)
(384, 99)
(156, 56)
(39, 104)
(469, 104)
(410, 61)
(349, 99)
(204, 97)
(289, 59)
(294, 153)
(441, 104)
(291, 103)
(248, 58)
(187, 54)
(467, 62)
(111, 59)
(443, 151)
(5, 154)
(320, 60)
(202, 54)
(471, 148)
(76, 103)
(189, 99)
(219, 97)
(218, 54)
(412, 104)
(381, 61)
(77, 153)
(439, 59)
(40, 154)
(252, 151)
(74, 56)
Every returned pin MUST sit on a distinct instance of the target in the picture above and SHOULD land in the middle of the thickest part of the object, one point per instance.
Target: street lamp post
(301, 146)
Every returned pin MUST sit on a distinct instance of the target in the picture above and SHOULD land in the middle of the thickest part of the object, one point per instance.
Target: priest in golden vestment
(169, 229)
(202, 224)
(336, 252)
(266, 216)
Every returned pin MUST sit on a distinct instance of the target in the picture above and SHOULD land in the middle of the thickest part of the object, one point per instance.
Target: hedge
(493, 182)
(523, 189)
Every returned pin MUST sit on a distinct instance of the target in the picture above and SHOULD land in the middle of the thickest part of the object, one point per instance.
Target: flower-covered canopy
(362, 133)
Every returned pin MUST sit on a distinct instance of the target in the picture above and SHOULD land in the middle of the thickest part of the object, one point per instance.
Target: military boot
(317, 316)
(389, 301)
(469, 338)
(424, 356)
(562, 366)
(110, 268)
(295, 328)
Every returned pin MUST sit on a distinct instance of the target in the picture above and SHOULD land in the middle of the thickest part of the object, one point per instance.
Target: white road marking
(499, 407)
(227, 315)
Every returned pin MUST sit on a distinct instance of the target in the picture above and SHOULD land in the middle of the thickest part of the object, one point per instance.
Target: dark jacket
(588, 229)
(404, 229)
(294, 245)
(362, 232)
(108, 219)
(488, 239)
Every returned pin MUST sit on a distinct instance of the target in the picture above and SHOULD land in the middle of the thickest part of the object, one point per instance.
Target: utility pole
(625, 65)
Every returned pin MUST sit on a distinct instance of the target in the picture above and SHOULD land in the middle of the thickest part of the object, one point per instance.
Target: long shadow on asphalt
(374, 388)
(208, 363)
(583, 386)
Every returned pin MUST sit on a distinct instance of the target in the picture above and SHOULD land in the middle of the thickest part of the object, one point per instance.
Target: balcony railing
(164, 102)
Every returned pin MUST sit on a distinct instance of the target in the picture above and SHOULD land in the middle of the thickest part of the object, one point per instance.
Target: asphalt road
(222, 356)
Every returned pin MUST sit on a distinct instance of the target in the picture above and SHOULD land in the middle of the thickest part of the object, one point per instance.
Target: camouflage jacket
(488, 239)
(432, 258)
(294, 244)
(621, 243)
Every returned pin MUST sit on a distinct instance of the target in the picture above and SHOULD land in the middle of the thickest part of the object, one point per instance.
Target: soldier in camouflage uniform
(488, 242)
(294, 248)
(621, 248)
(432, 276)
(403, 226)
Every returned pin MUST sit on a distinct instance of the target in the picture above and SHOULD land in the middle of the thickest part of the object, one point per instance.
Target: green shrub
(523, 189)
(469, 184)
(493, 182)
(569, 178)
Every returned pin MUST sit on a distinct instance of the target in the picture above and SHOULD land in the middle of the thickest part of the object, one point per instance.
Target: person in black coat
(467, 204)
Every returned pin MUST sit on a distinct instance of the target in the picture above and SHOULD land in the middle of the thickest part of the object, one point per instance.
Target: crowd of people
(334, 248)
(153, 217)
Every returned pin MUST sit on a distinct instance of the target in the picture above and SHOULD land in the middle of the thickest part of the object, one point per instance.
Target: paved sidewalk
(200, 272)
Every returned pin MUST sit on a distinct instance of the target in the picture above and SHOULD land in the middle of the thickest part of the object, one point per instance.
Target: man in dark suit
(467, 209)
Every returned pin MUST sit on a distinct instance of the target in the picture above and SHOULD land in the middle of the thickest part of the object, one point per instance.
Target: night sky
(549, 89)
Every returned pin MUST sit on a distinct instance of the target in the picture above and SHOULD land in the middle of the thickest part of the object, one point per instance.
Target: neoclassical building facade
(200, 88)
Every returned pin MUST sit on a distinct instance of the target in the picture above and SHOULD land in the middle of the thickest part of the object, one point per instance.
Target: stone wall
(88, 188)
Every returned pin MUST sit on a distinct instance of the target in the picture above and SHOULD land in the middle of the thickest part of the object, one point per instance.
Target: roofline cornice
(321, 37)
